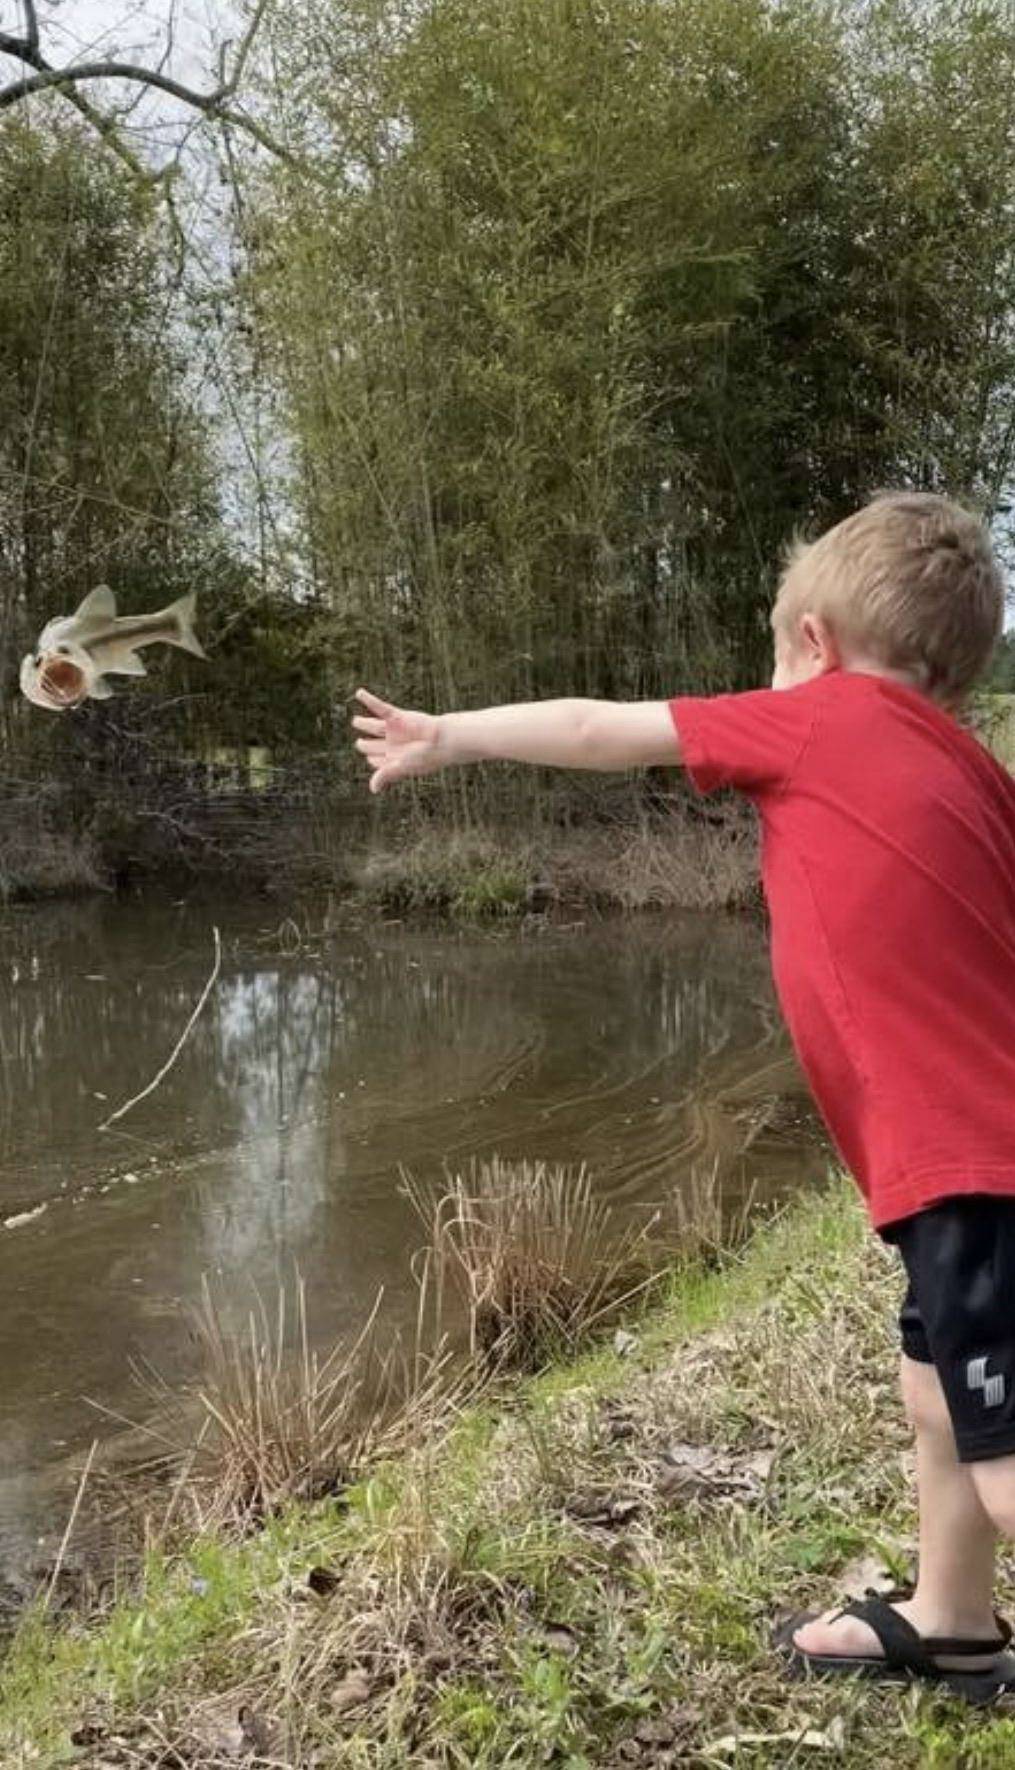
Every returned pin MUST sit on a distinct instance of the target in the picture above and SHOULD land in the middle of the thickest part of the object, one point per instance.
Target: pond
(322, 1066)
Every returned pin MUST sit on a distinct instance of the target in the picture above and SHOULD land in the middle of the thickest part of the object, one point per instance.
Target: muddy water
(320, 1065)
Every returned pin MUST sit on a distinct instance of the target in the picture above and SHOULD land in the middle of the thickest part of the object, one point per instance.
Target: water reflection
(641, 1048)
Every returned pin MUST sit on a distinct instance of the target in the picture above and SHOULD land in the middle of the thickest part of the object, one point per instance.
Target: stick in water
(72, 1520)
(177, 1048)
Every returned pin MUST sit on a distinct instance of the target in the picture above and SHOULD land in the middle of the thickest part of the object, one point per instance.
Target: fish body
(75, 653)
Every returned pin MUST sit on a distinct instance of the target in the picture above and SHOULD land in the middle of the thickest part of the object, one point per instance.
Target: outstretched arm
(556, 734)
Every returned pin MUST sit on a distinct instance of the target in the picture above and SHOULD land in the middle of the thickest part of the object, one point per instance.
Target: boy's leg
(995, 1486)
(953, 1595)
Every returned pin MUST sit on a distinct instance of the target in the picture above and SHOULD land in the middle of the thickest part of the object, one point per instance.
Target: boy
(889, 869)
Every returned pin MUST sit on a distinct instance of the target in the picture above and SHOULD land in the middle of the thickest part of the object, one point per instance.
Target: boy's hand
(396, 744)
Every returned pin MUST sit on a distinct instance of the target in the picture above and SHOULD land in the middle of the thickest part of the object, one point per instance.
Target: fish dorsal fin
(99, 606)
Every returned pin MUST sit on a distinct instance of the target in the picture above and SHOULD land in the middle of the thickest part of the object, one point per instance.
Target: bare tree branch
(239, 66)
(31, 25)
(212, 104)
(107, 129)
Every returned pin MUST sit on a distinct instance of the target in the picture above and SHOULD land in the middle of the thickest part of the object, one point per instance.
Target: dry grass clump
(472, 874)
(282, 1421)
(675, 863)
(700, 1220)
(46, 863)
(622, 861)
(537, 1260)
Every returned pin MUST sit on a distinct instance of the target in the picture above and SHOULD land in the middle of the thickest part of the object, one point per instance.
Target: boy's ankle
(936, 1619)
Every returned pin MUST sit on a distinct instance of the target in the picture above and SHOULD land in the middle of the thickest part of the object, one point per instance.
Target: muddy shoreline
(649, 1048)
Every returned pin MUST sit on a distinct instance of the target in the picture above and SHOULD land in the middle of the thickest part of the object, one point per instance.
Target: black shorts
(959, 1314)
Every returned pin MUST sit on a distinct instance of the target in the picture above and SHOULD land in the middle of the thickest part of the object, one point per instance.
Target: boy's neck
(869, 667)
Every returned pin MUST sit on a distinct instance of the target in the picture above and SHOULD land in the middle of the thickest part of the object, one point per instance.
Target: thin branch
(243, 52)
(177, 1048)
(103, 70)
(31, 25)
(211, 104)
(72, 1520)
(107, 129)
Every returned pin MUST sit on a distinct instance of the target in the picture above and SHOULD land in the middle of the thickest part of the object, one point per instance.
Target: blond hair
(910, 582)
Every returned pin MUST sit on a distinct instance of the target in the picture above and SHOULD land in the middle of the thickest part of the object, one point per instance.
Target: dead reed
(537, 1260)
(700, 1222)
(282, 1422)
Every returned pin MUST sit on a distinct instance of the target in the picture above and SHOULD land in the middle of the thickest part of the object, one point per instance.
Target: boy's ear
(819, 642)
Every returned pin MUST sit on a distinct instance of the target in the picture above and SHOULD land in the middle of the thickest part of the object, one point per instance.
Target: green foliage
(107, 466)
(104, 468)
(570, 314)
(588, 307)
(1002, 676)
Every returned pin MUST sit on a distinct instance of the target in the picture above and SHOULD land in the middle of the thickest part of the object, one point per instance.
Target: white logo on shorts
(977, 1378)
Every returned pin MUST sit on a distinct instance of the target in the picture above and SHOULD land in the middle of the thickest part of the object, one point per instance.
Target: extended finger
(374, 703)
(385, 773)
(361, 722)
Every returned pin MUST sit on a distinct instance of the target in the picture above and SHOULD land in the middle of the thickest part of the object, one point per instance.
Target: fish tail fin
(183, 613)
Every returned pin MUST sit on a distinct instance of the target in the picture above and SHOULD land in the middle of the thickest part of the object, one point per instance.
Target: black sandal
(907, 1655)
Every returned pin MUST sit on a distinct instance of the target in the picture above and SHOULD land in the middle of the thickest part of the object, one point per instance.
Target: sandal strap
(900, 1643)
(904, 1647)
(955, 1645)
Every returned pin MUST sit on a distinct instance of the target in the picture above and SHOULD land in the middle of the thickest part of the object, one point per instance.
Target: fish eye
(63, 650)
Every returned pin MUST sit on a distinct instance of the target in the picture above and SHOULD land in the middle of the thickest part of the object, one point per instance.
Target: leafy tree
(1002, 676)
(106, 469)
(590, 304)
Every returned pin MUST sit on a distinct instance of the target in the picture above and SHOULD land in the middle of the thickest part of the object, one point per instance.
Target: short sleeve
(750, 741)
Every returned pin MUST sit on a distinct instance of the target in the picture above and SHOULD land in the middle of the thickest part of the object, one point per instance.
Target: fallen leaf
(699, 1469)
(830, 1739)
(624, 1343)
(658, 1732)
(758, 1464)
(561, 1638)
(659, 1739)
(618, 1420)
(217, 1729)
(258, 1734)
(605, 1511)
(354, 1690)
(867, 1573)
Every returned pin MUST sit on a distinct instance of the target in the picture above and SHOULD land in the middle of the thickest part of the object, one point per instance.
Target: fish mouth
(63, 681)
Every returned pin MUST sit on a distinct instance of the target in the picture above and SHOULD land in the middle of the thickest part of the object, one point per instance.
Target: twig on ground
(177, 1048)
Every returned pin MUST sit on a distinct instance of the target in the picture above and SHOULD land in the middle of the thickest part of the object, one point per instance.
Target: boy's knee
(923, 1396)
(995, 1485)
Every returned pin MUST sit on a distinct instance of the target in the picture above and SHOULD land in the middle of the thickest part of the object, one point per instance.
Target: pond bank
(582, 1573)
(485, 873)
(621, 847)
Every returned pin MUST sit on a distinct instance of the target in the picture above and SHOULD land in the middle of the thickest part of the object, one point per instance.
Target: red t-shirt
(889, 869)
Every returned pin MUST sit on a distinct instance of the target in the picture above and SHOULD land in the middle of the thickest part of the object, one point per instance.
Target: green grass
(483, 1614)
